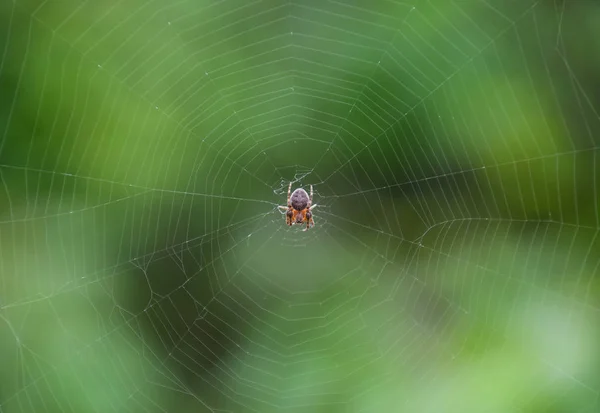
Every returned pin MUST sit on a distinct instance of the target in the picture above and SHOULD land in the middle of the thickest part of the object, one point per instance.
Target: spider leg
(313, 206)
(309, 219)
(289, 214)
(309, 224)
(311, 194)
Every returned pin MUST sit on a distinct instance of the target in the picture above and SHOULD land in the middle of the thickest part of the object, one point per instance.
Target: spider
(299, 207)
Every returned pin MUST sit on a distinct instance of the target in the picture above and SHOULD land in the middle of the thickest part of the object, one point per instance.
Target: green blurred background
(453, 150)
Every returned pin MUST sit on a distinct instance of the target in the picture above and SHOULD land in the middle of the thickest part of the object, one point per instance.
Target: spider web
(453, 150)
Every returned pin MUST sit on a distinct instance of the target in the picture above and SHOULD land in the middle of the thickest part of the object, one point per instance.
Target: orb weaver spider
(299, 207)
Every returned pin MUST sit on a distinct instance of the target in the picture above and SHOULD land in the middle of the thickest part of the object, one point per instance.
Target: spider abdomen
(299, 199)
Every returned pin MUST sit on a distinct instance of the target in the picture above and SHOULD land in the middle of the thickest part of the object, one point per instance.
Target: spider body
(299, 207)
(299, 199)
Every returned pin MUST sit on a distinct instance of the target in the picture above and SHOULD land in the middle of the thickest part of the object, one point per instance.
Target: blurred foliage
(453, 149)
